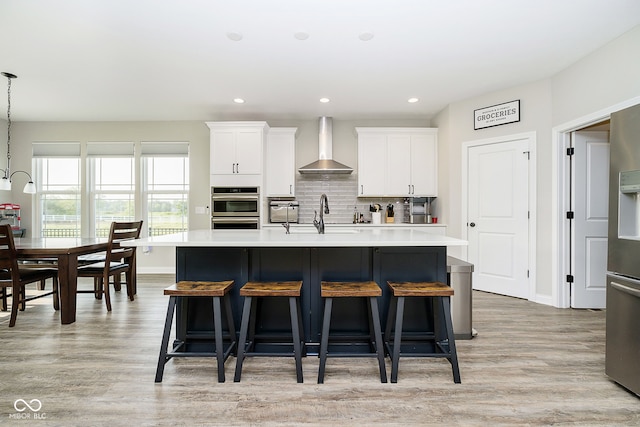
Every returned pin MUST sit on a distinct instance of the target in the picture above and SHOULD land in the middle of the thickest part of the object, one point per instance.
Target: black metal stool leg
(231, 325)
(391, 316)
(217, 328)
(295, 332)
(324, 341)
(375, 316)
(453, 354)
(162, 359)
(246, 312)
(301, 327)
(397, 339)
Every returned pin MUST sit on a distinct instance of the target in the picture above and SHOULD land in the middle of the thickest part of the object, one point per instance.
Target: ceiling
(121, 60)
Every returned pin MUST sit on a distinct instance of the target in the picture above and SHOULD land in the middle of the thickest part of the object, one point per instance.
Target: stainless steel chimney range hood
(325, 164)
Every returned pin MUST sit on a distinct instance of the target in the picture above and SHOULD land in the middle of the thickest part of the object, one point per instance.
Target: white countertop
(301, 237)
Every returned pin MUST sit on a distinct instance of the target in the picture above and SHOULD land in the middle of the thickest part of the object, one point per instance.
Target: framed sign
(496, 115)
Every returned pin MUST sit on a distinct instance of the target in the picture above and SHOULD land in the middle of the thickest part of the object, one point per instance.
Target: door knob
(473, 224)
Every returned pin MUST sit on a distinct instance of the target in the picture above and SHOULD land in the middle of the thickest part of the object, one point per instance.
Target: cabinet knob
(473, 224)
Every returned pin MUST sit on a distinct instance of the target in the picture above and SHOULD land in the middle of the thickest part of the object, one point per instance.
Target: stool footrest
(269, 354)
(337, 354)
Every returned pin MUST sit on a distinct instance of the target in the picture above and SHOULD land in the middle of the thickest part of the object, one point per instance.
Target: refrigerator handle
(626, 289)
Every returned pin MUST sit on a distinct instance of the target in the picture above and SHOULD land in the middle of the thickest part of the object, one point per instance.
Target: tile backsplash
(341, 191)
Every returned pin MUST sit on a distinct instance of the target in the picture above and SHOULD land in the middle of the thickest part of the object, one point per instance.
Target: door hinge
(528, 153)
(570, 151)
(569, 278)
(527, 274)
(570, 215)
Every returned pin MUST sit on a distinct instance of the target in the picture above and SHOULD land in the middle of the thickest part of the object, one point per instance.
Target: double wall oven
(235, 208)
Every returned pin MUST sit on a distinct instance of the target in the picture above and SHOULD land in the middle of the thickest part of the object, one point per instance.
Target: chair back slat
(8, 254)
(120, 232)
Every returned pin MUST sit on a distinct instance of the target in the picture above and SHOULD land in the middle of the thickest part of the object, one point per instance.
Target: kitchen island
(341, 254)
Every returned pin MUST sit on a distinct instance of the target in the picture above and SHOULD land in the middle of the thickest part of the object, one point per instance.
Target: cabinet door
(372, 152)
(281, 164)
(398, 179)
(424, 165)
(223, 152)
(249, 152)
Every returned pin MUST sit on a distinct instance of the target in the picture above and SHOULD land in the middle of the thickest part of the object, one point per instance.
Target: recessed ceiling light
(235, 36)
(324, 100)
(238, 100)
(365, 36)
(301, 35)
(413, 100)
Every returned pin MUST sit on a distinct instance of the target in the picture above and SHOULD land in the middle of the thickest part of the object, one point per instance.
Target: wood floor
(529, 365)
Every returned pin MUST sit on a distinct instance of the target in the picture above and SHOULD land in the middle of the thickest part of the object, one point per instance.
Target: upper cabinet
(280, 168)
(237, 152)
(397, 162)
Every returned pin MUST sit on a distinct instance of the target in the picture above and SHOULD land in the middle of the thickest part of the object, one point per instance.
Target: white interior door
(498, 217)
(590, 205)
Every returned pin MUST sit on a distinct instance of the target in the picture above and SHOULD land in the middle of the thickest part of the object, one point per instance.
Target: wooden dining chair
(117, 260)
(16, 278)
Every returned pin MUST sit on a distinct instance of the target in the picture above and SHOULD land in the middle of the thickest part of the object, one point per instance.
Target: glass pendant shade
(5, 184)
(29, 188)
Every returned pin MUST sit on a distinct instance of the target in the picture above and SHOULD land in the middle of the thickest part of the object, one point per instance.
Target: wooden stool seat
(369, 290)
(420, 289)
(271, 289)
(252, 292)
(442, 337)
(350, 289)
(217, 291)
(187, 288)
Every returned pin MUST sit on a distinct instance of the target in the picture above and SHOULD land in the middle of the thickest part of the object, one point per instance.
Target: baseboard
(156, 270)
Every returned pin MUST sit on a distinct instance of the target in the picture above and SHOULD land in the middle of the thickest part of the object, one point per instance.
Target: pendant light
(5, 182)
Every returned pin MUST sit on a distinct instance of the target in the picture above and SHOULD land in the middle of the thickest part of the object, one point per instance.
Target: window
(111, 185)
(81, 195)
(58, 201)
(165, 195)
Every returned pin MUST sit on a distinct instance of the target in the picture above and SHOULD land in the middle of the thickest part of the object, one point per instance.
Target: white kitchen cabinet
(372, 153)
(236, 151)
(280, 167)
(397, 162)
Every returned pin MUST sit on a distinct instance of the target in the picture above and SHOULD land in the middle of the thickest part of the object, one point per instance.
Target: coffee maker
(420, 210)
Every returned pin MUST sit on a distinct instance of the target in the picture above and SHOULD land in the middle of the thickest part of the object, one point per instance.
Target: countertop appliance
(420, 210)
(623, 262)
(281, 211)
(235, 207)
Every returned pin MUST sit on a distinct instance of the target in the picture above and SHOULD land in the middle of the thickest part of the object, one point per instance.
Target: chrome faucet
(324, 209)
(286, 225)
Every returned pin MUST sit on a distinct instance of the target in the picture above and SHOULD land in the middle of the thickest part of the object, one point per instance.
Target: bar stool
(214, 290)
(444, 345)
(370, 290)
(252, 292)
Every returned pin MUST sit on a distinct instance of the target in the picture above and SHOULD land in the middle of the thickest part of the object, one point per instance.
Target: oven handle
(626, 289)
(239, 197)
(236, 219)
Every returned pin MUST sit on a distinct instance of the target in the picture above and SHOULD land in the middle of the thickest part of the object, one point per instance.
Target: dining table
(64, 253)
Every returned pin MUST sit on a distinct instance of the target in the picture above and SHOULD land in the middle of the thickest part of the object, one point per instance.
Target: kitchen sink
(326, 231)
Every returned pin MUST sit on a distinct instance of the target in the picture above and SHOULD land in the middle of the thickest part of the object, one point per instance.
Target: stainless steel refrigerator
(623, 264)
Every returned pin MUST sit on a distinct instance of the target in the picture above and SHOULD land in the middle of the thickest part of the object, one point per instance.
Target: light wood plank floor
(529, 365)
